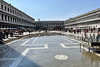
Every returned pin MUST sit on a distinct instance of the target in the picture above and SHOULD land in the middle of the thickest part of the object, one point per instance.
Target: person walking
(74, 31)
(1, 37)
(80, 31)
(11, 33)
(98, 36)
(85, 34)
(3, 34)
(7, 33)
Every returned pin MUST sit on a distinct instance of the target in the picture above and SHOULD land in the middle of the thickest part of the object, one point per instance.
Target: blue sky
(55, 9)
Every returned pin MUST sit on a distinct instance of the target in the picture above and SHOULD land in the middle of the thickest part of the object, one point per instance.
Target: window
(8, 9)
(8, 18)
(2, 16)
(1, 6)
(11, 19)
(5, 17)
(98, 15)
(11, 10)
(6, 26)
(2, 26)
(5, 7)
(15, 12)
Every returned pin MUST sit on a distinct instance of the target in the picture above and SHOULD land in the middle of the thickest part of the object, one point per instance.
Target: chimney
(38, 19)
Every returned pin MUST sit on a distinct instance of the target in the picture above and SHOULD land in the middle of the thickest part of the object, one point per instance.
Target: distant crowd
(9, 33)
(77, 31)
(85, 31)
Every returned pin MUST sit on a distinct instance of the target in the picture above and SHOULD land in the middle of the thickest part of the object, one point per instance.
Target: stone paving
(47, 51)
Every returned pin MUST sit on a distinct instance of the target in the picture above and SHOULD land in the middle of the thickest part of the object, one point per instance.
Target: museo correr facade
(49, 25)
(85, 21)
(13, 18)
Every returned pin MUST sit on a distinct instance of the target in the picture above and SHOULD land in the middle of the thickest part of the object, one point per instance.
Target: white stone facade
(12, 18)
(49, 25)
(90, 19)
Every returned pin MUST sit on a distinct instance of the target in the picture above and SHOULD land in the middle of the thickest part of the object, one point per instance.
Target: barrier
(95, 44)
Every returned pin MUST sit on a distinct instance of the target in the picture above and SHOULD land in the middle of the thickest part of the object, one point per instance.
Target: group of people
(9, 33)
(5, 33)
(92, 30)
(74, 31)
(98, 33)
(86, 31)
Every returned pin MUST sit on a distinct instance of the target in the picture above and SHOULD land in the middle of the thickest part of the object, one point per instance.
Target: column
(6, 18)
(14, 20)
(0, 5)
(11, 19)
(3, 7)
(0, 17)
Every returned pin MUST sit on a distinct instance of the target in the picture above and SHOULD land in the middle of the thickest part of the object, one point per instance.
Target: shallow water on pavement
(46, 50)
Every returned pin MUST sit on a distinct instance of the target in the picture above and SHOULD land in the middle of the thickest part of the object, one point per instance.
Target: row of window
(3, 7)
(89, 17)
(85, 18)
(92, 22)
(7, 26)
(14, 20)
(13, 10)
(50, 25)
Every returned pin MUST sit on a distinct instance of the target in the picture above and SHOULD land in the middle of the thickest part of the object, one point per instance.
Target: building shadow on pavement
(9, 55)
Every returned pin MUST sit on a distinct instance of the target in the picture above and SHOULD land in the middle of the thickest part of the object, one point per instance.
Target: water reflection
(43, 34)
(90, 58)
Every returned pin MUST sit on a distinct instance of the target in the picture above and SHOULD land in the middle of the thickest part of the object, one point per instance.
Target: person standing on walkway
(77, 31)
(74, 31)
(98, 36)
(1, 37)
(29, 31)
(91, 30)
(11, 33)
(80, 31)
(85, 33)
(7, 33)
(3, 34)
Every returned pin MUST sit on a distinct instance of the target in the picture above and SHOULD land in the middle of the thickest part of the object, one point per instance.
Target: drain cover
(61, 57)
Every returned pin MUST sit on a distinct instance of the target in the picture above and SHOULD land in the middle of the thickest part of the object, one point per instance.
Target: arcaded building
(85, 21)
(13, 18)
(49, 25)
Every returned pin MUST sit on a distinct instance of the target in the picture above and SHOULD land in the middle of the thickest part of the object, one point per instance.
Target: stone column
(0, 5)
(0, 17)
(7, 18)
(10, 19)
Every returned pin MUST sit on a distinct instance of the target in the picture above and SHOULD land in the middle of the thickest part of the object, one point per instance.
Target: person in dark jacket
(11, 33)
(6, 33)
(1, 37)
(98, 36)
